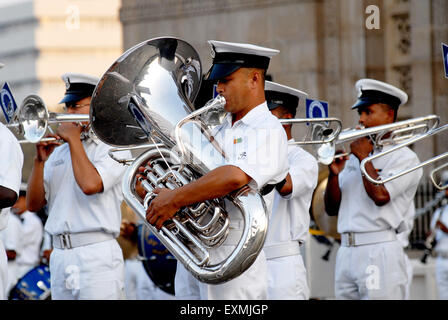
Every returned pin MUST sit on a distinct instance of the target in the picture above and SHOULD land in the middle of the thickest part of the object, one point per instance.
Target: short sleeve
(304, 173)
(109, 170)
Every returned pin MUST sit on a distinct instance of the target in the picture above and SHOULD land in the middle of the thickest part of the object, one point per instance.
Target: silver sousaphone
(146, 96)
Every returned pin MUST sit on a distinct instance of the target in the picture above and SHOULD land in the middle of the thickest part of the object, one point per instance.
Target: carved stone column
(341, 55)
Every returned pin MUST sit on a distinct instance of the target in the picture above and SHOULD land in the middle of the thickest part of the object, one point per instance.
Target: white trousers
(368, 272)
(287, 279)
(3, 272)
(251, 285)
(410, 275)
(442, 277)
(12, 275)
(92, 272)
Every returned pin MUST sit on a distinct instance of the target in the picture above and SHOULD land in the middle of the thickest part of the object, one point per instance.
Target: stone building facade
(42, 39)
(325, 45)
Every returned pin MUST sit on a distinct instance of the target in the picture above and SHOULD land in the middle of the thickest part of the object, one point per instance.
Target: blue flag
(445, 58)
(316, 109)
(8, 103)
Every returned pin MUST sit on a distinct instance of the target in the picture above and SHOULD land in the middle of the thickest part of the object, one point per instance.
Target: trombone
(387, 134)
(213, 112)
(419, 137)
(321, 132)
(442, 185)
(33, 118)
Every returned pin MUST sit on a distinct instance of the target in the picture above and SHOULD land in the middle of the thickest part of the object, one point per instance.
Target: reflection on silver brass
(33, 119)
(145, 97)
(387, 134)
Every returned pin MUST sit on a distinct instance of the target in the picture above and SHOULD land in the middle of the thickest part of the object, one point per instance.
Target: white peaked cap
(274, 86)
(72, 77)
(245, 48)
(230, 56)
(373, 91)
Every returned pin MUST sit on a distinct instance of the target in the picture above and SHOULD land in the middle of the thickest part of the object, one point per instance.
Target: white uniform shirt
(441, 237)
(290, 217)
(359, 213)
(11, 237)
(32, 236)
(12, 234)
(11, 162)
(72, 211)
(256, 144)
(403, 236)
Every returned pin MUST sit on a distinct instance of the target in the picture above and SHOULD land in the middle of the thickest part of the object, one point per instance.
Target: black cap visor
(74, 97)
(273, 105)
(276, 99)
(77, 91)
(363, 102)
(222, 70)
(369, 97)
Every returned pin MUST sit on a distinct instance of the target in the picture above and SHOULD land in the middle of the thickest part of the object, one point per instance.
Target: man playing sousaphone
(256, 146)
(370, 263)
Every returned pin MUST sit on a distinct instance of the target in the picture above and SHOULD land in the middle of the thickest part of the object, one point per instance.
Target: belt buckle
(66, 241)
(351, 239)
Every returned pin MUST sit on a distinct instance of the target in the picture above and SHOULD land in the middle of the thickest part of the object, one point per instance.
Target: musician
(370, 263)
(290, 219)
(256, 146)
(31, 236)
(10, 177)
(11, 237)
(403, 238)
(80, 184)
(439, 225)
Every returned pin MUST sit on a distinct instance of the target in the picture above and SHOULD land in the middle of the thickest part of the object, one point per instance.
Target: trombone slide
(419, 137)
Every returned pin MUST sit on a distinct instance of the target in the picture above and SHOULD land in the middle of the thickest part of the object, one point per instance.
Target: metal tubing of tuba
(408, 142)
(183, 238)
(126, 161)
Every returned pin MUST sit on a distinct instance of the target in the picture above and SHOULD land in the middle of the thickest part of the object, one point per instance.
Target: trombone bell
(33, 119)
(442, 184)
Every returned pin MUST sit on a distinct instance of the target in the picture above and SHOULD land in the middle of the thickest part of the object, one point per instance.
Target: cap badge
(67, 84)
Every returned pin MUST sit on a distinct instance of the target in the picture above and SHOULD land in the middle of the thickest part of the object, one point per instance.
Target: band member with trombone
(256, 147)
(370, 263)
(80, 185)
(11, 163)
(439, 234)
(290, 218)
